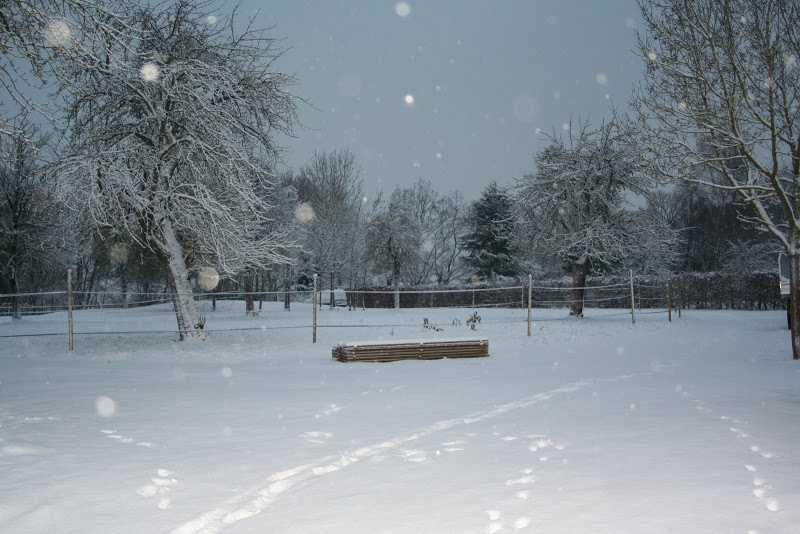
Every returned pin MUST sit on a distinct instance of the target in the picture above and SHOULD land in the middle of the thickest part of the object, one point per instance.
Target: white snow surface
(590, 425)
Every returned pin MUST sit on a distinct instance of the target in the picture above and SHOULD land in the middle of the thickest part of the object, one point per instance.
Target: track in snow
(255, 499)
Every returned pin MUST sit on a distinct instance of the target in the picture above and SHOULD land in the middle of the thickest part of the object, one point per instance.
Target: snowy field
(588, 426)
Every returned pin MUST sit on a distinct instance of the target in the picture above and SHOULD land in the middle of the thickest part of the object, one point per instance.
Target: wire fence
(634, 296)
(746, 291)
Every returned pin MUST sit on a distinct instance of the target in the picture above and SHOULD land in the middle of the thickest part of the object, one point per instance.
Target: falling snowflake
(149, 72)
(105, 406)
(119, 253)
(409, 99)
(58, 34)
(304, 212)
(208, 278)
(601, 78)
(403, 9)
(652, 56)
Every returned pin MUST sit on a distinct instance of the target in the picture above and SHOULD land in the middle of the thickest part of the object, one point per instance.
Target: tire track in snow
(255, 499)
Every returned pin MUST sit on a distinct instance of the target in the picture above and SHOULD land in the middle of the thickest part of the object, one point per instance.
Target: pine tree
(490, 227)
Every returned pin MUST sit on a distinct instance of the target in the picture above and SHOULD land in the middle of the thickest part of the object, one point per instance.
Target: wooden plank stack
(411, 350)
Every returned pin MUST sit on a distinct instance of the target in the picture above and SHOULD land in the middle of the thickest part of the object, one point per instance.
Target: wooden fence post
(669, 300)
(314, 307)
(69, 307)
(530, 280)
(633, 302)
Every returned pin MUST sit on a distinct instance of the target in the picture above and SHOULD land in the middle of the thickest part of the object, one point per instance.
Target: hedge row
(739, 291)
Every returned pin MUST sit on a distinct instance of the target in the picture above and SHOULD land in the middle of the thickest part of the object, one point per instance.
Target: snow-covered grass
(591, 425)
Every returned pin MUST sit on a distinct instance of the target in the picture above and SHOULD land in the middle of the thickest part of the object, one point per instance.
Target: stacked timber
(378, 351)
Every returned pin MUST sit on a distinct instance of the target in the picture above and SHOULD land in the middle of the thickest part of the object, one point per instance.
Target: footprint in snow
(765, 454)
(454, 446)
(160, 487)
(495, 525)
(316, 437)
(542, 443)
(333, 408)
(124, 439)
(414, 456)
(522, 522)
(527, 479)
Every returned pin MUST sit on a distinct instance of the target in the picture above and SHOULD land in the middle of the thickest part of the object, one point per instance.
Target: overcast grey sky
(455, 92)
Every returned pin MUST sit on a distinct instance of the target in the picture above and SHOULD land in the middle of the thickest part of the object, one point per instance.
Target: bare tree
(29, 226)
(419, 204)
(333, 189)
(576, 207)
(393, 239)
(34, 32)
(447, 238)
(169, 131)
(720, 106)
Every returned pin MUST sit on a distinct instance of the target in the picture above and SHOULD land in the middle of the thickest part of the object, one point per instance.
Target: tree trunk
(178, 278)
(333, 303)
(579, 270)
(123, 284)
(249, 306)
(794, 302)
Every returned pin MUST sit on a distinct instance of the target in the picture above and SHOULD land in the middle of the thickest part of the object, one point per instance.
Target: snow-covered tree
(446, 242)
(576, 207)
(169, 131)
(34, 32)
(331, 184)
(393, 238)
(750, 257)
(29, 225)
(720, 106)
(422, 231)
(489, 239)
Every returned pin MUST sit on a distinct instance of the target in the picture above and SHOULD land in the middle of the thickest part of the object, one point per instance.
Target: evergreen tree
(490, 227)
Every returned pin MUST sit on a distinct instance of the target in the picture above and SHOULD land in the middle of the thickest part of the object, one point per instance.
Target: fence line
(481, 297)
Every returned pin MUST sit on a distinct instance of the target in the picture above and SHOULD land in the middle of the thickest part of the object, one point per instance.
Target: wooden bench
(378, 351)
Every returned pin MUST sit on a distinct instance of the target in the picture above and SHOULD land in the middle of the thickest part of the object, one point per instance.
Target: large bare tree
(331, 183)
(169, 131)
(720, 106)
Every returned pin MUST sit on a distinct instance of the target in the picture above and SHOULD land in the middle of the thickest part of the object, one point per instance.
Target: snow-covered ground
(591, 425)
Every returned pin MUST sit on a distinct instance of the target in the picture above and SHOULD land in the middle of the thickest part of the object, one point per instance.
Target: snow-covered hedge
(717, 290)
